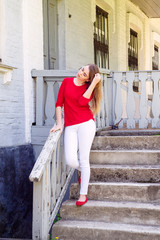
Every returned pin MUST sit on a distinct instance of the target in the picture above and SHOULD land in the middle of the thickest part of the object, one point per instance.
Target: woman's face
(83, 73)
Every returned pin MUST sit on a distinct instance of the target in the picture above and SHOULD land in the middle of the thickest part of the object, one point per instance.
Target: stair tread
(131, 136)
(126, 150)
(122, 184)
(125, 166)
(108, 226)
(116, 204)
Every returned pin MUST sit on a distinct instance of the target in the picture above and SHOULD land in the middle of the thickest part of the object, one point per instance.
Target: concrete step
(115, 212)
(89, 230)
(128, 132)
(130, 157)
(126, 142)
(125, 173)
(109, 191)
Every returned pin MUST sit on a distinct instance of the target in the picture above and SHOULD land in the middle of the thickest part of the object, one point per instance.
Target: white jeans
(80, 137)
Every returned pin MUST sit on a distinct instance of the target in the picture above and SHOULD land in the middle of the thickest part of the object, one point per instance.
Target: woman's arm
(89, 91)
(59, 125)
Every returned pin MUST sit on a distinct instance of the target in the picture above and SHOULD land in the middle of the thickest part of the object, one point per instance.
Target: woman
(75, 94)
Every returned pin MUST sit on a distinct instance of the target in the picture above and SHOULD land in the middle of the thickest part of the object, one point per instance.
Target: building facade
(118, 35)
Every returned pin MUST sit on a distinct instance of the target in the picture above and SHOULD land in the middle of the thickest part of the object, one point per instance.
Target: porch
(130, 101)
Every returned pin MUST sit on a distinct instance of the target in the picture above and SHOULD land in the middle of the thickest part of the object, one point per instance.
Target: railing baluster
(53, 180)
(41, 206)
(118, 101)
(39, 101)
(156, 100)
(50, 104)
(102, 112)
(143, 122)
(58, 180)
(63, 162)
(46, 201)
(130, 101)
(106, 104)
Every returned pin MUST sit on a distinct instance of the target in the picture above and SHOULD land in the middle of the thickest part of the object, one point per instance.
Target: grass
(56, 220)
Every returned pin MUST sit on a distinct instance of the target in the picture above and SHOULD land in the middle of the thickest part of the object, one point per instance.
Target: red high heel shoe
(79, 180)
(80, 203)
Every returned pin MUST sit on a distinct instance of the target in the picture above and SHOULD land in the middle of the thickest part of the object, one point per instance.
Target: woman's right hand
(97, 78)
(56, 128)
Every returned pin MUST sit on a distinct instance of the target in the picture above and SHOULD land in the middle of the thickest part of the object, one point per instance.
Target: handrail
(40, 164)
(50, 178)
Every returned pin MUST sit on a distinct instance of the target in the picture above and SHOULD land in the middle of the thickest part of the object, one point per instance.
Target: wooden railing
(136, 99)
(50, 177)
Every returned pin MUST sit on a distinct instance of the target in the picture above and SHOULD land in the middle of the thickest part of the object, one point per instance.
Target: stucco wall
(79, 33)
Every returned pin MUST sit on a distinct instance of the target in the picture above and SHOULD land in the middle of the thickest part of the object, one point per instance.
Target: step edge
(116, 204)
(109, 226)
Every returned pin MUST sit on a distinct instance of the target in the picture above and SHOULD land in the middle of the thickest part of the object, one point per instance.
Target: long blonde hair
(97, 92)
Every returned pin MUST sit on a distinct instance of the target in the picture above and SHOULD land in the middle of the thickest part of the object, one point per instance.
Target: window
(133, 51)
(155, 59)
(101, 53)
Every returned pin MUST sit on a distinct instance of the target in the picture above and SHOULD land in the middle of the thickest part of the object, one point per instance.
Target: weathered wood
(44, 156)
(59, 171)
(58, 203)
(53, 180)
(37, 210)
(41, 206)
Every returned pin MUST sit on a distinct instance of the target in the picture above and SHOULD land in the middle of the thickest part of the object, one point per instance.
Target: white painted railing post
(130, 101)
(39, 101)
(102, 113)
(118, 101)
(143, 122)
(50, 104)
(41, 206)
(156, 100)
(106, 103)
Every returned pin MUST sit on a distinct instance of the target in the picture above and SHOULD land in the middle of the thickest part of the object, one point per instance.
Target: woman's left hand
(97, 78)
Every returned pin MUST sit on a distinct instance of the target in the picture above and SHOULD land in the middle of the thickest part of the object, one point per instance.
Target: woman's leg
(71, 146)
(86, 133)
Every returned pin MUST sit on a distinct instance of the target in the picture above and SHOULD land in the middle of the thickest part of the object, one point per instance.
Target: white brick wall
(33, 56)
(23, 49)
(21, 46)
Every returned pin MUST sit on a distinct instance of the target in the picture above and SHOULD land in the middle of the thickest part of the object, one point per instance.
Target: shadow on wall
(16, 191)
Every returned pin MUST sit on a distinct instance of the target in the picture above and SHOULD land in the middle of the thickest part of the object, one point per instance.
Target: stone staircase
(124, 191)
